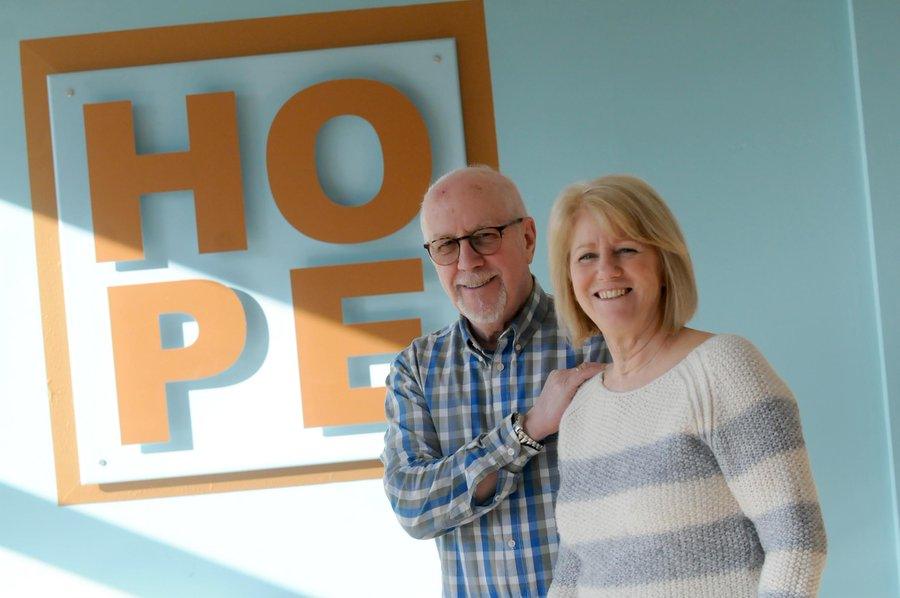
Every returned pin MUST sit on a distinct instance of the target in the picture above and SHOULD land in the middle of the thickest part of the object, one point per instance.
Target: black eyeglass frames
(483, 241)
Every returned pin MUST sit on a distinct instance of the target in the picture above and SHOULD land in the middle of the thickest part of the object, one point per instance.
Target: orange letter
(291, 160)
(324, 342)
(212, 168)
(143, 367)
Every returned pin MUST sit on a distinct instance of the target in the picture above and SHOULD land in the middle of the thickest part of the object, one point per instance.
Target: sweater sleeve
(758, 441)
(432, 493)
(565, 573)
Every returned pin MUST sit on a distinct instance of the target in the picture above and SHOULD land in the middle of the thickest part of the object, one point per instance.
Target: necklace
(624, 373)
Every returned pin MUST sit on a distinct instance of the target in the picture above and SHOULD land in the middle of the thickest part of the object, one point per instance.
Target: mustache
(474, 280)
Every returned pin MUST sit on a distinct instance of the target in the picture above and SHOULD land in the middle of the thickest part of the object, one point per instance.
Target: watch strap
(522, 436)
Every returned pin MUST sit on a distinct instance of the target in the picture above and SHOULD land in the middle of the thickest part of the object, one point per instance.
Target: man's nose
(468, 257)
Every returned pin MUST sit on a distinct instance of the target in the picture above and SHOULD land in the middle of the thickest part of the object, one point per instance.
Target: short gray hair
(508, 190)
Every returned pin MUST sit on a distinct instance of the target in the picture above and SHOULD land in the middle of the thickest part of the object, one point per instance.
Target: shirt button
(511, 543)
(498, 498)
(500, 367)
(518, 347)
(510, 452)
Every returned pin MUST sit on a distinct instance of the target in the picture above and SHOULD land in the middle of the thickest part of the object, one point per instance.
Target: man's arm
(429, 492)
(546, 413)
(486, 487)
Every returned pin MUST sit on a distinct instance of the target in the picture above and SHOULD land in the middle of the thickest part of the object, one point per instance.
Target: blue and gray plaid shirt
(449, 407)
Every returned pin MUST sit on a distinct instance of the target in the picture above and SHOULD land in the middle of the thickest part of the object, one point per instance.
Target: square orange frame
(461, 20)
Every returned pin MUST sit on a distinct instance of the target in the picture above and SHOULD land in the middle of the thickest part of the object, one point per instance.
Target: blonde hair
(624, 205)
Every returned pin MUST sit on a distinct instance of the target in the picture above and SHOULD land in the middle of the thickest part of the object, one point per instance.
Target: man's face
(487, 289)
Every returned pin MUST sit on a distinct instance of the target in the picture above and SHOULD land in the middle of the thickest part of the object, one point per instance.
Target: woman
(683, 470)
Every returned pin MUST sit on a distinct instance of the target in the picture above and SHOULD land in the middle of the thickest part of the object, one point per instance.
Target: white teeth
(476, 284)
(612, 294)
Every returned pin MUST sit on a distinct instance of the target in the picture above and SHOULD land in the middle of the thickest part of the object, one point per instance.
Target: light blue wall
(775, 149)
(744, 117)
(875, 25)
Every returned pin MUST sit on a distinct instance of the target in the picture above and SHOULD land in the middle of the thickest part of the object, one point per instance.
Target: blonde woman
(683, 469)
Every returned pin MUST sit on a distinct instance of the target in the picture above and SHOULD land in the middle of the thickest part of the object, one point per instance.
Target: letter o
(291, 160)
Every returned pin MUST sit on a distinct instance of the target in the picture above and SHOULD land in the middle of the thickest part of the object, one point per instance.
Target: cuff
(503, 448)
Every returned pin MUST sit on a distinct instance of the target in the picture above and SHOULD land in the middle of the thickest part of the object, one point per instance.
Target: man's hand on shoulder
(543, 418)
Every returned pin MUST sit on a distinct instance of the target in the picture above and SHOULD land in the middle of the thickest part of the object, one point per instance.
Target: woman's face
(617, 281)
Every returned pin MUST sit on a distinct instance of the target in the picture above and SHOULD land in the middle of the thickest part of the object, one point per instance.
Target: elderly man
(472, 409)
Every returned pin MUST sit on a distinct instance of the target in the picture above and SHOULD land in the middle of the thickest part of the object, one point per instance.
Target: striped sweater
(697, 484)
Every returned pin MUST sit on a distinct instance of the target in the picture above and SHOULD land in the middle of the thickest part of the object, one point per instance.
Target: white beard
(482, 313)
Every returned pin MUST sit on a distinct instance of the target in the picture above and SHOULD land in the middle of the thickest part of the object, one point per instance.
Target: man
(470, 456)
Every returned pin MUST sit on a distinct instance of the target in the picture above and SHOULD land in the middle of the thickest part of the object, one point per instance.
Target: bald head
(488, 288)
(496, 193)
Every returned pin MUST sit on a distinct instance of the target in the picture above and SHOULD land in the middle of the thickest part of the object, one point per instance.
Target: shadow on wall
(115, 557)
(172, 332)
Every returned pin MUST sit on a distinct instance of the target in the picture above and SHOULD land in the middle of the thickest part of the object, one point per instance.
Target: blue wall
(770, 127)
(875, 27)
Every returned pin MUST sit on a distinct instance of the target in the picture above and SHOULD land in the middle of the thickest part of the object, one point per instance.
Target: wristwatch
(522, 436)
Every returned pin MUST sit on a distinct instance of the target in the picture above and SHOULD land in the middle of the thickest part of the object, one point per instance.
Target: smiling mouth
(475, 284)
(612, 294)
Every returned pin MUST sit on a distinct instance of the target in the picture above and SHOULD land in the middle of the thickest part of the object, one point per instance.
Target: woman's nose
(608, 268)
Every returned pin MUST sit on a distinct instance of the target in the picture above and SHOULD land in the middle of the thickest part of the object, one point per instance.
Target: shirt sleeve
(595, 350)
(432, 493)
(758, 441)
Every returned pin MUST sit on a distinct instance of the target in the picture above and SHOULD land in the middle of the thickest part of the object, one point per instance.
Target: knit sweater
(697, 484)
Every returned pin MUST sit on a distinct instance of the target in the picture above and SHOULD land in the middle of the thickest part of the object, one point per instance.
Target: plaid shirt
(449, 408)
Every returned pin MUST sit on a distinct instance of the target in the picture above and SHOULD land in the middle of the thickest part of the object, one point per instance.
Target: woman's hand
(542, 419)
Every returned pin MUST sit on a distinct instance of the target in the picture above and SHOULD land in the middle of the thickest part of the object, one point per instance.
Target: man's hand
(542, 419)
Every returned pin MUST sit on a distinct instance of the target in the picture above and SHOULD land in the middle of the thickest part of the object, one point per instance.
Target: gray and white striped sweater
(697, 484)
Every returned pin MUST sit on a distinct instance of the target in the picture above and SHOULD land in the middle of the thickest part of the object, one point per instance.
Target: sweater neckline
(678, 365)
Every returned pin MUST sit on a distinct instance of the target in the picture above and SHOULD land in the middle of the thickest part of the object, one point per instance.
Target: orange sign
(212, 169)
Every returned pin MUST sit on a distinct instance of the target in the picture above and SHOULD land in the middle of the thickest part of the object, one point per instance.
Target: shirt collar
(523, 325)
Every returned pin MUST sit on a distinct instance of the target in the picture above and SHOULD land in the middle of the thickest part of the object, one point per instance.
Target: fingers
(574, 377)
(559, 388)
(588, 369)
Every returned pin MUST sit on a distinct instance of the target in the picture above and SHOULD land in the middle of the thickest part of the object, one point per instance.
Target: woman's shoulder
(587, 393)
(734, 363)
(727, 354)
(689, 339)
(726, 346)
(687, 342)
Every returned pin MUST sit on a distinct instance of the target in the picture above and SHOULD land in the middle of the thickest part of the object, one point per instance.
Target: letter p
(143, 367)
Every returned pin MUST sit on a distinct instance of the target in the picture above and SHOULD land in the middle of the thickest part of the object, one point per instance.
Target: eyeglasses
(483, 241)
